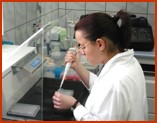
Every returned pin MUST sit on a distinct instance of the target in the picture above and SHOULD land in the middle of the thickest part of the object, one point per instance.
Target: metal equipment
(19, 73)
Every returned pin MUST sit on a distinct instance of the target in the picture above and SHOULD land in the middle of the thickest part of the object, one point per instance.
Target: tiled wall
(20, 16)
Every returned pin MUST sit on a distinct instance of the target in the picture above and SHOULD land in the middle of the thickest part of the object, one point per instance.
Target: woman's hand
(62, 101)
(72, 58)
(77, 66)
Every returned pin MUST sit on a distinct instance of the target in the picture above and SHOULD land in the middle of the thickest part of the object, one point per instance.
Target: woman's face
(87, 48)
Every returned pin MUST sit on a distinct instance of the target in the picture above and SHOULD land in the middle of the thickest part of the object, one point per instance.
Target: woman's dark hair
(97, 25)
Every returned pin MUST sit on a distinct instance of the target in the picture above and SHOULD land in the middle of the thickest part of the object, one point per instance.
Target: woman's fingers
(70, 57)
(56, 100)
(57, 107)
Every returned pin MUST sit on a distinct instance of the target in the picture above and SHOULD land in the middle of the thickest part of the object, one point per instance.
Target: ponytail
(122, 19)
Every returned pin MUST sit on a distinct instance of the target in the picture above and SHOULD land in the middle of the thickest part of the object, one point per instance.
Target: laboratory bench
(41, 94)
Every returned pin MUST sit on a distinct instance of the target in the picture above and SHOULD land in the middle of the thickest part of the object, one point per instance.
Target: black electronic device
(142, 35)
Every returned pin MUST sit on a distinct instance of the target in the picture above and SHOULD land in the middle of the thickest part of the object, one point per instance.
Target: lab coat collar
(120, 57)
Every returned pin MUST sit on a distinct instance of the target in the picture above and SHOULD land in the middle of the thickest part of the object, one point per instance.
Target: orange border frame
(155, 40)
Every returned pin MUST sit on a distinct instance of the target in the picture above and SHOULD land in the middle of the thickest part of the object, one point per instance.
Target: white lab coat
(118, 93)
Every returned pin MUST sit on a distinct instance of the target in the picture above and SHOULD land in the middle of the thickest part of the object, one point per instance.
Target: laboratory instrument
(142, 35)
(67, 67)
(19, 73)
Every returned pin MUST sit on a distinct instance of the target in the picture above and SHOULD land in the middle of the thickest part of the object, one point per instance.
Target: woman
(119, 91)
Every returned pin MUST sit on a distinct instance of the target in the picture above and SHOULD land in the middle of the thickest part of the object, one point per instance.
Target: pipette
(67, 67)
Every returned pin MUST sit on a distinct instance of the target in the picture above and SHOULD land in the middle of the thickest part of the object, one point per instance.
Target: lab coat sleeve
(79, 112)
(82, 114)
(115, 107)
(92, 78)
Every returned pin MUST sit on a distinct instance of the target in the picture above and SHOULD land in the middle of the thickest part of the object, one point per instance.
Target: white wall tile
(48, 7)
(54, 15)
(62, 17)
(9, 36)
(31, 8)
(55, 5)
(48, 18)
(74, 14)
(91, 11)
(151, 20)
(115, 6)
(8, 15)
(42, 5)
(151, 7)
(42, 21)
(30, 28)
(62, 13)
(139, 15)
(20, 34)
(137, 7)
(95, 6)
(61, 5)
(20, 13)
(75, 5)
(15, 13)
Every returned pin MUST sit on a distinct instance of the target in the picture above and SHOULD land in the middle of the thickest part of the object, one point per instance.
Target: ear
(101, 44)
